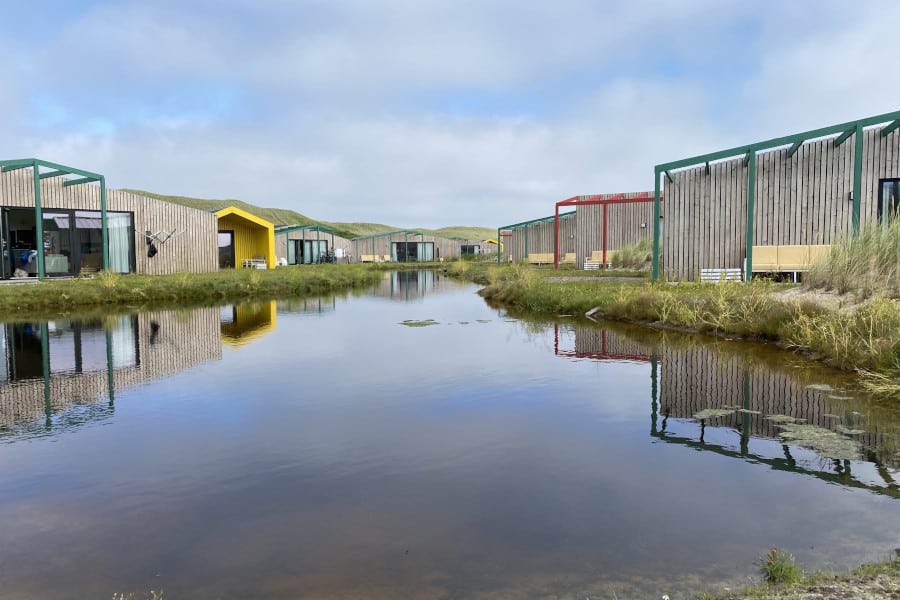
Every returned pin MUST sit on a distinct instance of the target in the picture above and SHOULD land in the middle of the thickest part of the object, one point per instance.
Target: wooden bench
(787, 259)
(366, 258)
(597, 260)
(569, 258)
(541, 258)
(720, 275)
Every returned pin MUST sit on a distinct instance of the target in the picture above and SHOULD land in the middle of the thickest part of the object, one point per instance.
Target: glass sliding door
(226, 249)
(88, 241)
(120, 242)
(57, 245)
(425, 251)
(292, 252)
(6, 266)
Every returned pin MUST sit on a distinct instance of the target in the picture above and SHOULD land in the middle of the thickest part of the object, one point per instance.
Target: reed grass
(636, 257)
(867, 265)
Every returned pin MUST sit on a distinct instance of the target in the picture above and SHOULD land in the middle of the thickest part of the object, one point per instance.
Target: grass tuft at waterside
(114, 290)
(865, 339)
(867, 265)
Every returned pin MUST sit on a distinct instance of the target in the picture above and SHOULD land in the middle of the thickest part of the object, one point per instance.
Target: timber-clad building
(775, 206)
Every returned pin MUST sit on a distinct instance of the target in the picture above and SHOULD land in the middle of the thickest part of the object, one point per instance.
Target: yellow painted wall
(250, 240)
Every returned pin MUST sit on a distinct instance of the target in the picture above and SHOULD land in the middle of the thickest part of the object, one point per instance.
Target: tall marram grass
(635, 256)
(866, 265)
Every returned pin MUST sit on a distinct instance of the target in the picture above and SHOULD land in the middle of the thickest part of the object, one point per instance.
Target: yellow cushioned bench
(541, 258)
(775, 259)
(568, 258)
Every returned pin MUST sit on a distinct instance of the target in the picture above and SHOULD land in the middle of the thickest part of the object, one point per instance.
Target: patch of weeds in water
(747, 411)
(463, 322)
(780, 568)
(820, 387)
(423, 323)
(823, 442)
(833, 397)
(484, 320)
(712, 413)
(783, 419)
(848, 431)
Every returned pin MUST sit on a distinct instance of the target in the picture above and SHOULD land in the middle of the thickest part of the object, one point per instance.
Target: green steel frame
(843, 132)
(312, 226)
(406, 233)
(58, 170)
(524, 225)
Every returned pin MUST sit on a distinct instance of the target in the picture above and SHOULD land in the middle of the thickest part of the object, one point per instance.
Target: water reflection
(406, 286)
(242, 324)
(741, 402)
(53, 373)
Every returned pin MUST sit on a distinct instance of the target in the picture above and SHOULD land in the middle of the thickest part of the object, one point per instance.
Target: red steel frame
(604, 354)
(595, 200)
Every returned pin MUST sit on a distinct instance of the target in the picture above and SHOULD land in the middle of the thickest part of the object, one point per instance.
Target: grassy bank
(109, 291)
(866, 339)
(784, 580)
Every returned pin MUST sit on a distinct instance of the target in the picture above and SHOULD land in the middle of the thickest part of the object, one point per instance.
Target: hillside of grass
(283, 216)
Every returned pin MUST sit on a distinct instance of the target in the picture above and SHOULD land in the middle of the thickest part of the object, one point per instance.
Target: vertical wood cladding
(802, 199)
(194, 249)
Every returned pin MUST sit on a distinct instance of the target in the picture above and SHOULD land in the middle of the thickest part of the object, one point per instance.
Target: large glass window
(57, 243)
(120, 241)
(889, 200)
(89, 240)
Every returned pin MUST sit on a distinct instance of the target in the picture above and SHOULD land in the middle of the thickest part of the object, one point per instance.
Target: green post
(104, 227)
(654, 391)
(745, 422)
(656, 226)
(38, 220)
(857, 177)
(110, 378)
(45, 365)
(751, 208)
(318, 246)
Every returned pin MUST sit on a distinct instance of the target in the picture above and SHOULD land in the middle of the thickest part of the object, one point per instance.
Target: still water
(321, 448)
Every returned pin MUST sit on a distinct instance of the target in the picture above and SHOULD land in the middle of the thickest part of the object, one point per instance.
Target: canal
(411, 441)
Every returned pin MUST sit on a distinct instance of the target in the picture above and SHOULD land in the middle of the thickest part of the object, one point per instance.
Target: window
(888, 200)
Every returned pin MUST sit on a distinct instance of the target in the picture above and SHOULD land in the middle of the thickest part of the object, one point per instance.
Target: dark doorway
(888, 200)
(226, 249)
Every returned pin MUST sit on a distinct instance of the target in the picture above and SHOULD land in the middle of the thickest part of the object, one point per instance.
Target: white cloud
(433, 113)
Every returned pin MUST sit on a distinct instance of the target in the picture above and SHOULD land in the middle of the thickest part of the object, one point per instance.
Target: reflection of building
(601, 344)
(243, 323)
(48, 368)
(408, 285)
(749, 388)
(315, 305)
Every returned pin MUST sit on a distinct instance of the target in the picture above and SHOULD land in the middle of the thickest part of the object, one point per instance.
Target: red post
(556, 239)
(605, 229)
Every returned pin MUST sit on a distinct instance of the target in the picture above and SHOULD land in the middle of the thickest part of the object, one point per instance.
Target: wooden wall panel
(803, 199)
(194, 249)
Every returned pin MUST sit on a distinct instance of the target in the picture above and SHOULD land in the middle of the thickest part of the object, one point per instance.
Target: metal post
(745, 425)
(45, 365)
(104, 226)
(318, 246)
(110, 379)
(654, 391)
(751, 206)
(499, 252)
(857, 177)
(605, 231)
(656, 215)
(526, 243)
(38, 220)
(556, 238)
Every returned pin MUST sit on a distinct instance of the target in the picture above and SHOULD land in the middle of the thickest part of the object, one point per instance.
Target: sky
(426, 113)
